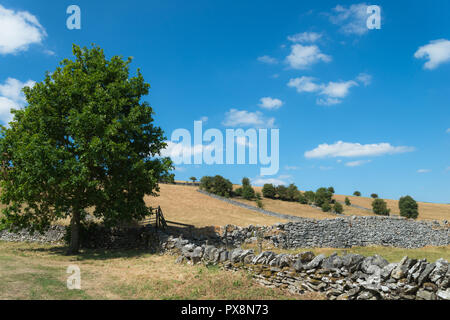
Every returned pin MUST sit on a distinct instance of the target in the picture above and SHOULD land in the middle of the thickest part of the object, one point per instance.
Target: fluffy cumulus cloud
(423, 170)
(270, 103)
(243, 118)
(302, 57)
(436, 52)
(18, 30)
(352, 20)
(329, 93)
(268, 60)
(348, 149)
(11, 96)
(305, 37)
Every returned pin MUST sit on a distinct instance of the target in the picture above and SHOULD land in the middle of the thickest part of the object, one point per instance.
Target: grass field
(36, 271)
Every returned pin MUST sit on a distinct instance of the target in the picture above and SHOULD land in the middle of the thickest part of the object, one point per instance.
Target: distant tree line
(322, 197)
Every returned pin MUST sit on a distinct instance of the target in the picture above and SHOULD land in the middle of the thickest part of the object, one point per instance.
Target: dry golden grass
(185, 205)
(427, 211)
(36, 271)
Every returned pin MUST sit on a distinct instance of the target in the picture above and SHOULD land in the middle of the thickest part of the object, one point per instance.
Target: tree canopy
(85, 140)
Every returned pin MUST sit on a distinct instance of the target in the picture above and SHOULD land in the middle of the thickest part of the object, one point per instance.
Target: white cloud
(423, 170)
(302, 57)
(323, 168)
(347, 149)
(267, 59)
(270, 103)
(333, 91)
(203, 119)
(304, 84)
(281, 180)
(364, 78)
(305, 37)
(243, 118)
(18, 30)
(290, 168)
(338, 89)
(448, 130)
(11, 96)
(352, 20)
(357, 163)
(436, 52)
(174, 150)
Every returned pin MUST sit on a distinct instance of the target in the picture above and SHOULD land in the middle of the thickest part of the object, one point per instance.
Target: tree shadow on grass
(91, 254)
(201, 234)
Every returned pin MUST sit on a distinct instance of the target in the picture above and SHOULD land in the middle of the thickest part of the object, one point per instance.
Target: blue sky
(356, 109)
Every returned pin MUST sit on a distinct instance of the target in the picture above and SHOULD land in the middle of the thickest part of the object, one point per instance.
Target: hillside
(427, 211)
(185, 205)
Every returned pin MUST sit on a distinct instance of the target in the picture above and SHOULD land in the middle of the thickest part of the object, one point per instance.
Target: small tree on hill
(221, 186)
(326, 207)
(217, 185)
(282, 192)
(302, 199)
(374, 195)
(322, 196)
(379, 207)
(408, 207)
(246, 182)
(247, 190)
(193, 179)
(85, 140)
(269, 191)
(347, 201)
(338, 208)
(292, 193)
(238, 192)
(357, 194)
(310, 196)
(206, 183)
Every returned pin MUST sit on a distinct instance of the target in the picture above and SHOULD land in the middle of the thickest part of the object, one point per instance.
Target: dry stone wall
(347, 277)
(345, 233)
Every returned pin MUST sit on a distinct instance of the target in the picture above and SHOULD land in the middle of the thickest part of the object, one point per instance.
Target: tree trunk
(75, 233)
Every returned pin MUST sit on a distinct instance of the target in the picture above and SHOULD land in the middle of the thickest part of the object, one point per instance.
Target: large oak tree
(85, 140)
